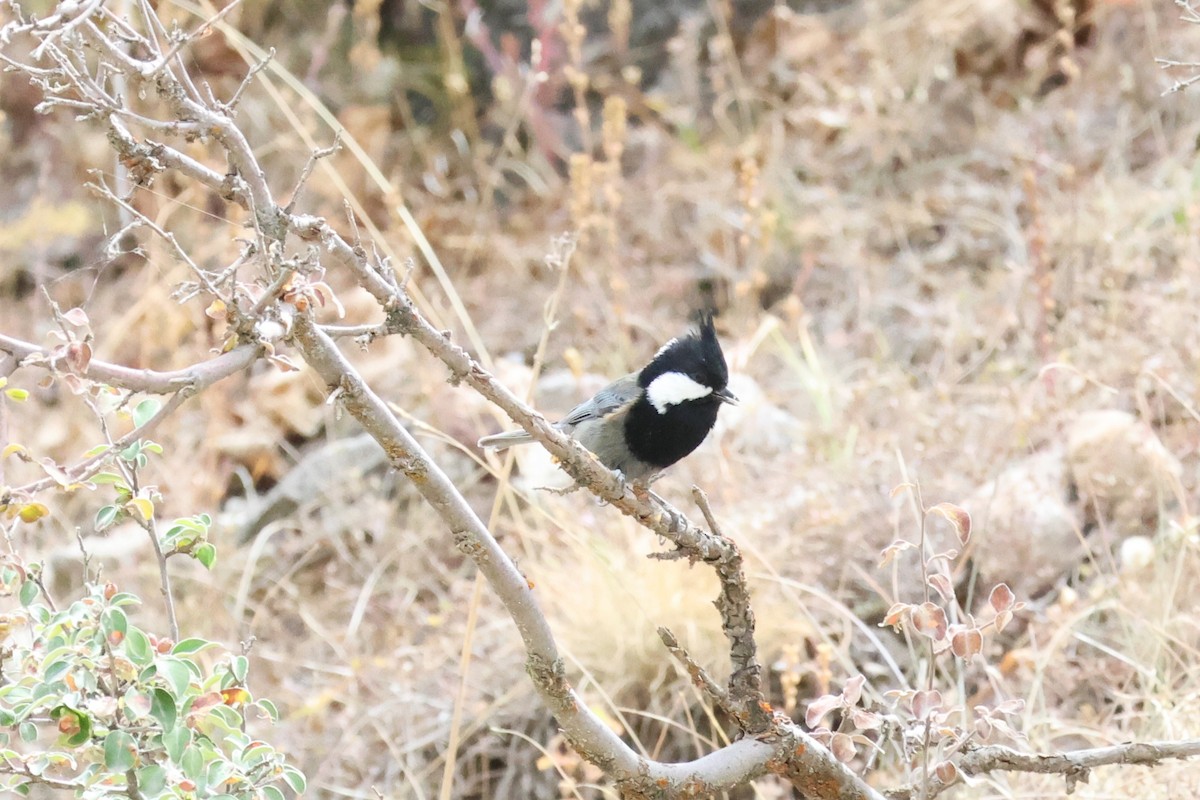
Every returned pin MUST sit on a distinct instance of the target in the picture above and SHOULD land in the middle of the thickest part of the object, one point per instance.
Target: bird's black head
(691, 367)
(683, 387)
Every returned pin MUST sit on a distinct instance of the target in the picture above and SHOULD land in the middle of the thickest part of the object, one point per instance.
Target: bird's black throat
(662, 439)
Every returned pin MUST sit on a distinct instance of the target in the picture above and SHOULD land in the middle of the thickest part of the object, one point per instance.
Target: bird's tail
(503, 441)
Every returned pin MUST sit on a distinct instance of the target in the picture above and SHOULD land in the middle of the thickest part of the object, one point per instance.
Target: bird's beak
(726, 396)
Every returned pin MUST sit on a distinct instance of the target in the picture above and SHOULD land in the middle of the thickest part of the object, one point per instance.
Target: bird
(648, 420)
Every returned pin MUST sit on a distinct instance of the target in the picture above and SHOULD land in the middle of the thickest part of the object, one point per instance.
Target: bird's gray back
(620, 392)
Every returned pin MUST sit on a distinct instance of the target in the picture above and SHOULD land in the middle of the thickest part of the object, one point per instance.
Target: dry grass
(862, 214)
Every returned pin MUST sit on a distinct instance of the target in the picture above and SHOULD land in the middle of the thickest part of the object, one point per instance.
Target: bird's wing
(613, 397)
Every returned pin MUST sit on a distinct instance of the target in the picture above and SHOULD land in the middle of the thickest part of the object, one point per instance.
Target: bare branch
(1075, 766)
(737, 620)
(191, 379)
(697, 673)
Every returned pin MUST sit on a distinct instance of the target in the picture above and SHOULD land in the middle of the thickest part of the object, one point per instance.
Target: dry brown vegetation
(931, 261)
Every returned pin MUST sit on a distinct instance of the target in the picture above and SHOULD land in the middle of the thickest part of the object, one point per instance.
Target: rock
(1026, 533)
(1122, 471)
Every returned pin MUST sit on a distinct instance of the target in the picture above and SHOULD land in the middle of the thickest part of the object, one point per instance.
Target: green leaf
(153, 447)
(177, 675)
(20, 395)
(55, 671)
(164, 709)
(138, 703)
(125, 599)
(119, 749)
(105, 517)
(239, 666)
(218, 771)
(294, 779)
(29, 593)
(192, 764)
(137, 647)
(115, 620)
(269, 708)
(192, 645)
(107, 479)
(256, 754)
(272, 793)
(79, 725)
(145, 410)
(28, 732)
(176, 742)
(151, 780)
(206, 554)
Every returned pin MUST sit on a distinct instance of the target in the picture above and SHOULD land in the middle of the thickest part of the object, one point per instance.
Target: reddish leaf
(1014, 706)
(893, 550)
(1002, 598)
(76, 384)
(866, 720)
(930, 620)
(57, 473)
(842, 747)
(1002, 620)
(966, 642)
(941, 584)
(853, 690)
(818, 708)
(79, 355)
(946, 772)
(204, 702)
(983, 727)
(1006, 730)
(958, 517)
(895, 615)
(77, 317)
(925, 702)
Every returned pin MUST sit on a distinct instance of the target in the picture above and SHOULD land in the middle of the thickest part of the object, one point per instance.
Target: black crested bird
(646, 421)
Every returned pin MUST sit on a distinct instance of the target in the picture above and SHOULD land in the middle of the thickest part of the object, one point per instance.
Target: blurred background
(950, 243)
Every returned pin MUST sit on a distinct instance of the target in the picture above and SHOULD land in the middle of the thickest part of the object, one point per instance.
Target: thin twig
(697, 673)
(309, 165)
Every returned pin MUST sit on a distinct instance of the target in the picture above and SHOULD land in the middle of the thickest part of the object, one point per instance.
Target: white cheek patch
(672, 388)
